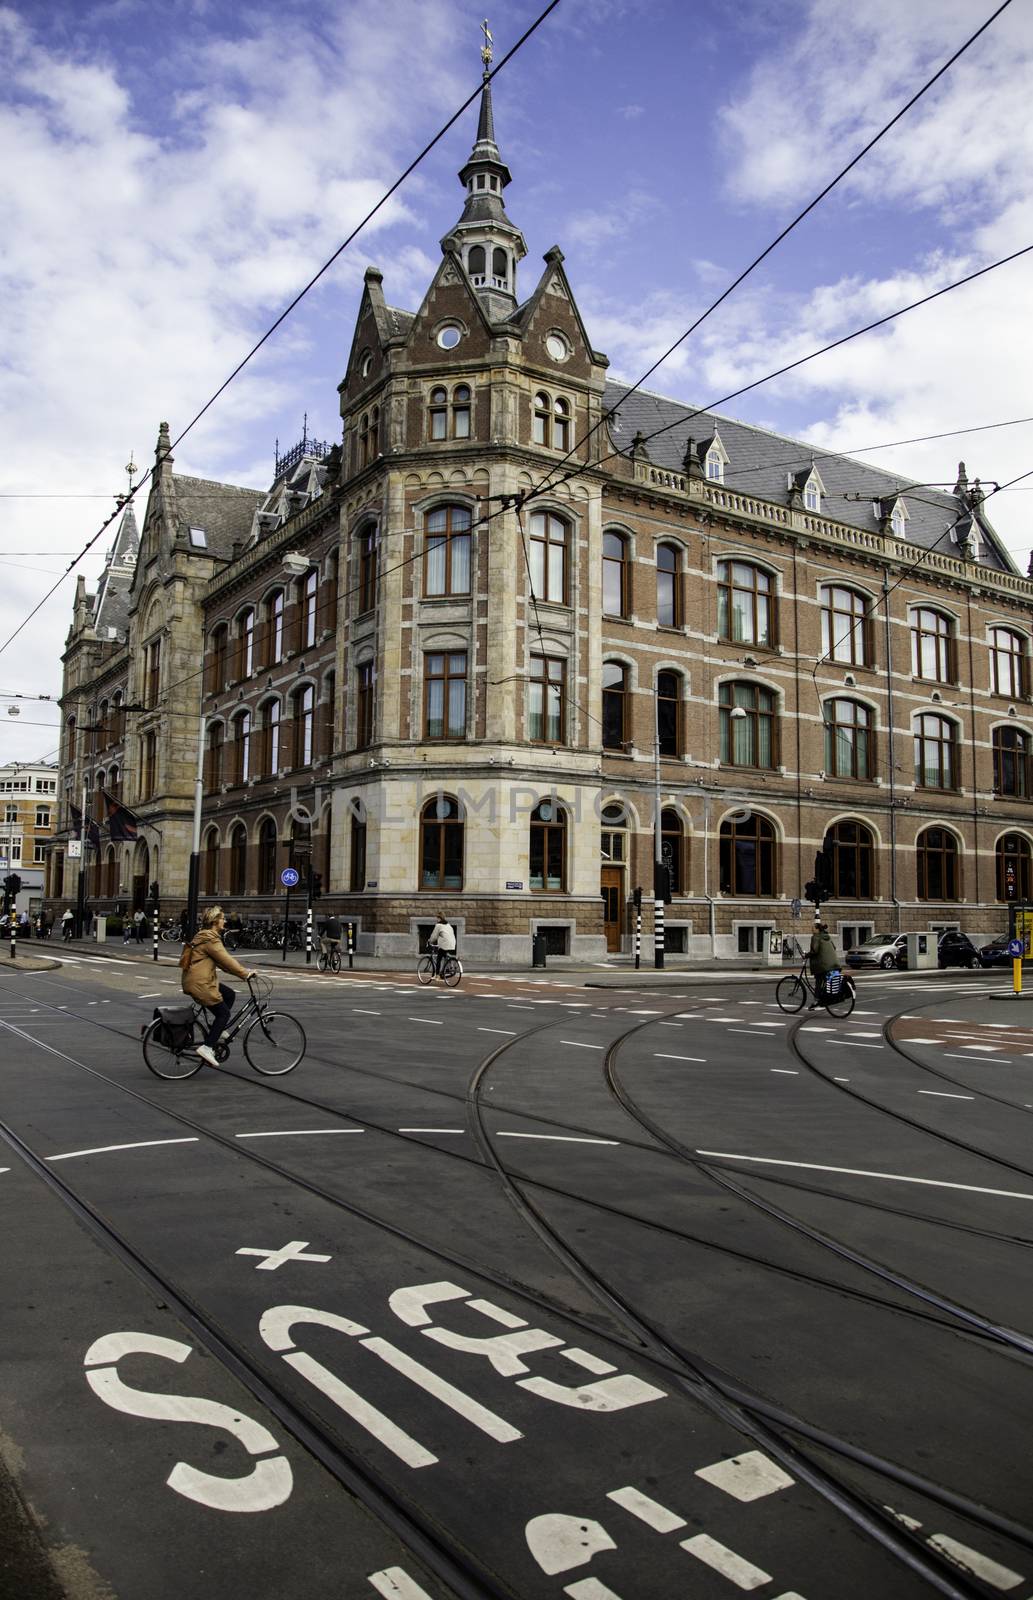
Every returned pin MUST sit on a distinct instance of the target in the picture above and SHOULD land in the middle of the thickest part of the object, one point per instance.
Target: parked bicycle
(793, 993)
(450, 973)
(274, 1042)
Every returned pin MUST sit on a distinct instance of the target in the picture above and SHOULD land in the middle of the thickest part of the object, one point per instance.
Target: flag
(92, 830)
(121, 821)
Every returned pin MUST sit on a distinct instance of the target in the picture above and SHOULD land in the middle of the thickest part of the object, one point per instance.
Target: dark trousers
(220, 1013)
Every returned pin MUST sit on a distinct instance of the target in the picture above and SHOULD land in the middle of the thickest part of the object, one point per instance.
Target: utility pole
(81, 895)
(193, 878)
(658, 846)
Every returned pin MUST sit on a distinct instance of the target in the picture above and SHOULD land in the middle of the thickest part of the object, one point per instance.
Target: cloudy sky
(171, 175)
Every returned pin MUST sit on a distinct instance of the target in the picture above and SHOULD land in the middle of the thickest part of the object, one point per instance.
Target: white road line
(435, 1022)
(921, 1041)
(660, 1055)
(748, 1031)
(509, 1032)
(787, 1072)
(589, 1589)
(742, 1573)
(155, 996)
(857, 1044)
(649, 1511)
(862, 1172)
(555, 1138)
(990, 1572)
(815, 1027)
(364, 1011)
(992, 1048)
(867, 1035)
(579, 1046)
(432, 1130)
(659, 1024)
(998, 1061)
(746, 1477)
(104, 1149)
(941, 1094)
(517, 1005)
(295, 1133)
(394, 1583)
(841, 1080)
(768, 1024)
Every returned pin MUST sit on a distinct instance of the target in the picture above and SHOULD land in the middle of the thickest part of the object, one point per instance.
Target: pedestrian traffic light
(317, 885)
(662, 882)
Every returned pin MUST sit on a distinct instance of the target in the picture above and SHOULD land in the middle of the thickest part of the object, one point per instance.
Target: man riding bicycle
(441, 943)
(330, 936)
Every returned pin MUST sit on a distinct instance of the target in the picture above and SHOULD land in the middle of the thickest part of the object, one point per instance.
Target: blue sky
(173, 174)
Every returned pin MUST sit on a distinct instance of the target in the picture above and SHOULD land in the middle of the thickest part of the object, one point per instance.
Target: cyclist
(822, 960)
(202, 955)
(442, 942)
(330, 936)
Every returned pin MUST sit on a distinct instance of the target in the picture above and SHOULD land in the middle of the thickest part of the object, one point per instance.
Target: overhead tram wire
(385, 197)
(786, 231)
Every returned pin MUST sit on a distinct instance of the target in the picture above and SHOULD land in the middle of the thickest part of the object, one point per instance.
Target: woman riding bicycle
(201, 956)
(822, 960)
(442, 942)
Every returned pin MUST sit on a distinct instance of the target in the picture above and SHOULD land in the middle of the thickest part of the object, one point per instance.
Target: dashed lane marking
(509, 1032)
(432, 1130)
(746, 1477)
(648, 1511)
(106, 1149)
(557, 1138)
(998, 1061)
(735, 1568)
(786, 1072)
(295, 1133)
(941, 1094)
(859, 1045)
(660, 1055)
(394, 1583)
(366, 1012)
(435, 1022)
(862, 1172)
(579, 1046)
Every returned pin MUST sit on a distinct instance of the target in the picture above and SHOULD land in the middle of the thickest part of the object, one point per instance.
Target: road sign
(290, 877)
(1015, 949)
(74, 849)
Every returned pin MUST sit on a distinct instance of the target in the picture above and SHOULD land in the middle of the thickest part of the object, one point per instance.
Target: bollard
(638, 937)
(154, 926)
(658, 931)
(351, 946)
(308, 937)
(14, 940)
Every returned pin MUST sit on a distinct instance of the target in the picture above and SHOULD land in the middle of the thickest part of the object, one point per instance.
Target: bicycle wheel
(335, 960)
(841, 1004)
(274, 1043)
(425, 969)
(791, 993)
(452, 971)
(167, 1062)
(323, 961)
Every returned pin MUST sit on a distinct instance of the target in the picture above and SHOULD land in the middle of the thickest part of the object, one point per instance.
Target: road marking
(922, 1041)
(768, 1024)
(294, 1251)
(787, 1072)
(660, 1055)
(857, 1044)
(992, 1048)
(104, 1149)
(841, 1080)
(746, 1477)
(941, 1094)
(434, 1021)
(659, 1024)
(517, 1005)
(996, 1576)
(364, 1011)
(867, 1036)
(648, 1511)
(555, 1138)
(509, 1032)
(742, 1573)
(1000, 1061)
(815, 1027)
(432, 1130)
(394, 1583)
(861, 1172)
(633, 1013)
(579, 1046)
(748, 1031)
(295, 1133)
(589, 1589)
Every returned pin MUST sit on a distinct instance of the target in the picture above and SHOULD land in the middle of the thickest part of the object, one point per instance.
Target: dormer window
(812, 496)
(715, 467)
(898, 520)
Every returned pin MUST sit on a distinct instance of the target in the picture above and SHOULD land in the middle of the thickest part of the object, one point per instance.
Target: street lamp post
(81, 893)
(193, 882)
(658, 844)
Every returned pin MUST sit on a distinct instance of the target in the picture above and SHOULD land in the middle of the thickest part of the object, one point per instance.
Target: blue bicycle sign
(290, 877)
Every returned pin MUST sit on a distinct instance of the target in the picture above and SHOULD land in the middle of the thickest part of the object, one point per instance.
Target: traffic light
(154, 891)
(12, 885)
(317, 885)
(816, 893)
(662, 882)
(637, 897)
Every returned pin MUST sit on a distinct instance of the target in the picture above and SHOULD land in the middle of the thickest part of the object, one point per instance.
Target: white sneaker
(206, 1053)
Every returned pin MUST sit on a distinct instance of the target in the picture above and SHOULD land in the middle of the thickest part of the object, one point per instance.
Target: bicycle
(791, 993)
(274, 1042)
(451, 970)
(330, 958)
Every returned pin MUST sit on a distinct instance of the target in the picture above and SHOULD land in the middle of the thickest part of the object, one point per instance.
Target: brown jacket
(200, 979)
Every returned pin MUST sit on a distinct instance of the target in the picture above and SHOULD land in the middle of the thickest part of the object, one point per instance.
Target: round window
(449, 336)
(557, 346)
(545, 812)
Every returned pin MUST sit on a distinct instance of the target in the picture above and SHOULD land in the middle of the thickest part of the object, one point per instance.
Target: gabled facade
(442, 660)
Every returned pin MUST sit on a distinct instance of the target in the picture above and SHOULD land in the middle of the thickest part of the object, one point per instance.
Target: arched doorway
(141, 875)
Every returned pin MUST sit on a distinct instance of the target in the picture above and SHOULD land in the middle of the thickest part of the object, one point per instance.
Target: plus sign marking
(295, 1251)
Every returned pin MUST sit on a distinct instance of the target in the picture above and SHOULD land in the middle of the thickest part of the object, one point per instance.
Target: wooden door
(612, 891)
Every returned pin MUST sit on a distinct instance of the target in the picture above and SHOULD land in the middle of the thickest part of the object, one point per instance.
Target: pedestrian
(202, 956)
(67, 924)
(442, 942)
(48, 924)
(822, 960)
(40, 926)
(23, 925)
(138, 921)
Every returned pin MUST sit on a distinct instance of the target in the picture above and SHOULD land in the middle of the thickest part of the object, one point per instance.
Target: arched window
(1011, 763)
(245, 643)
(500, 268)
(1014, 867)
(446, 551)
(369, 431)
(898, 520)
(613, 837)
(115, 784)
(937, 860)
(242, 748)
(118, 719)
(152, 671)
(211, 862)
(615, 688)
(441, 844)
(845, 634)
(747, 856)
(267, 857)
(546, 700)
(715, 466)
(668, 588)
(936, 752)
(304, 718)
(214, 777)
(672, 848)
(548, 848)
(98, 796)
(103, 726)
(367, 539)
(309, 604)
(561, 425)
(668, 713)
(357, 864)
(541, 427)
(812, 495)
(549, 563)
(477, 262)
(615, 575)
(444, 694)
(218, 659)
(1008, 663)
(70, 739)
(148, 765)
(848, 743)
(276, 605)
(932, 646)
(748, 726)
(111, 874)
(851, 849)
(270, 751)
(461, 411)
(439, 414)
(238, 860)
(745, 603)
(300, 852)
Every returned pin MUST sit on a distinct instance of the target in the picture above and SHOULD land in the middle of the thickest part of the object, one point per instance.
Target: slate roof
(223, 510)
(111, 602)
(760, 463)
(401, 321)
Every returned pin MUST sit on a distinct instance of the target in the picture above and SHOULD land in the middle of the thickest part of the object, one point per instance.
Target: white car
(888, 950)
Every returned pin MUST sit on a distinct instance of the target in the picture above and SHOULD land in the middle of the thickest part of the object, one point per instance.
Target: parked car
(883, 950)
(956, 949)
(994, 953)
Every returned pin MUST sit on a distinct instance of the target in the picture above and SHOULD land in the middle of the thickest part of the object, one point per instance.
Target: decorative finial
(487, 53)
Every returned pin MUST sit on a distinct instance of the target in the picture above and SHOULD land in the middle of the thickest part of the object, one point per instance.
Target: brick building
(28, 794)
(444, 660)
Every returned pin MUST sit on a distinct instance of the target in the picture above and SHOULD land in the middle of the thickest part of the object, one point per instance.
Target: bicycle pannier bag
(834, 982)
(175, 1026)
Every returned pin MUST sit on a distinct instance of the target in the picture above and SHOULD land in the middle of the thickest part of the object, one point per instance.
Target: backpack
(186, 957)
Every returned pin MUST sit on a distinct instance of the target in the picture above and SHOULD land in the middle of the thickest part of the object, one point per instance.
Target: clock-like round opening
(449, 336)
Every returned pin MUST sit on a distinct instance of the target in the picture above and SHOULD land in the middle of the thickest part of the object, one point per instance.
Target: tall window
(213, 764)
(541, 429)
(668, 589)
(446, 551)
(613, 835)
(848, 741)
(103, 726)
(276, 628)
(745, 602)
(936, 752)
(844, 626)
(369, 432)
(668, 705)
(211, 862)
(561, 425)
(304, 718)
(148, 775)
(238, 860)
(547, 852)
(615, 689)
(615, 575)
(367, 567)
(152, 659)
(444, 695)
(271, 738)
(461, 411)
(328, 716)
(438, 413)
(267, 857)
(937, 859)
(364, 705)
(748, 727)
(70, 739)
(1014, 868)
(242, 748)
(219, 659)
(246, 644)
(441, 844)
(932, 646)
(672, 849)
(357, 866)
(851, 849)
(1012, 763)
(309, 602)
(715, 466)
(118, 719)
(747, 857)
(546, 700)
(477, 262)
(1008, 663)
(549, 576)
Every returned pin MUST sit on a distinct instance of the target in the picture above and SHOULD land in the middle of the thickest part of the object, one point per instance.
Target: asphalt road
(523, 1289)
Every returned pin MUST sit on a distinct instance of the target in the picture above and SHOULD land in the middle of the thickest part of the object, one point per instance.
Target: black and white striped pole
(351, 946)
(154, 925)
(638, 929)
(658, 843)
